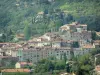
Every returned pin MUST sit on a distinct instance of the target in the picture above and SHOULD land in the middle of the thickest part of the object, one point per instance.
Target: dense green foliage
(84, 65)
(7, 36)
(50, 66)
(16, 12)
(27, 31)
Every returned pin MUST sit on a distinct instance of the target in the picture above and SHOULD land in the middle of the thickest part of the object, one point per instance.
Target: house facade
(83, 50)
(37, 54)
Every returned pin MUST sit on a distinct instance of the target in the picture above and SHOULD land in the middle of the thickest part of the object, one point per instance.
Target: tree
(7, 36)
(49, 65)
(4, 15)
(75, 45)
(83, 65)
(60, 65)
(95, 51)
(67, 68)
(93, 35)
(10, 35)
(65, 57)
(3, 38)
(27, 31)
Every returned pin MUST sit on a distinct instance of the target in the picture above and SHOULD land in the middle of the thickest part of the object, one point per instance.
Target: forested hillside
(42, 16)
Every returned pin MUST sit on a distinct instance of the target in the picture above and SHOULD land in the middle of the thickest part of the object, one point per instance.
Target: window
(34, 55)
(57, 52)
(37, 55)
(67, 51)
(24, 54)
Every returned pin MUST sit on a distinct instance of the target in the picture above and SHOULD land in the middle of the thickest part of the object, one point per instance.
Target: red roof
(25, 63)
(15, 70)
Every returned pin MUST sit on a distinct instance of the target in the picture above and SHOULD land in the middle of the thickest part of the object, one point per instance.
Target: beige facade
(76, 32)
(17, 65)
(10, 49)
(83, 50)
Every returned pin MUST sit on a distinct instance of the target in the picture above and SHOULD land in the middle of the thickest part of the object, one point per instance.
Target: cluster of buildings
(71, 40)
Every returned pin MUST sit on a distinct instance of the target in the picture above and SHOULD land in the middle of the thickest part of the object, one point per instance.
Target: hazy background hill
(47, 15)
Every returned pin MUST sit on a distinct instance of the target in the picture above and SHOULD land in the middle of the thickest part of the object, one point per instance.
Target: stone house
(84, 35)
(10, 49)
(75, 32)
(37, 54)
(97, 43)
(83, 50)
(22, 64)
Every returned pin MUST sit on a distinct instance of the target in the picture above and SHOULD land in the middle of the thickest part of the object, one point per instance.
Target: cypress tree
(27, 31)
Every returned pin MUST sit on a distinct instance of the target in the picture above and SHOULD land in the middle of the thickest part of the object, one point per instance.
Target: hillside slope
(47, 15)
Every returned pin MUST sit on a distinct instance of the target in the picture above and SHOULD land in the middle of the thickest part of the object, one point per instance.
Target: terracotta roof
(76, 24)
(10, 45)
(25, 63)
(15, 70)
(65, 27)
(43, 38)
(88, 46)
(53, 40)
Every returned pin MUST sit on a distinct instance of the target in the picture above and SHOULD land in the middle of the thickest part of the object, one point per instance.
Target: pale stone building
(76, 32)
(83, 50)
(10, 49)
(37, 54)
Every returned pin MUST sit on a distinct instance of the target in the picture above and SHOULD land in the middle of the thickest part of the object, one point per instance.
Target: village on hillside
(72, 40)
